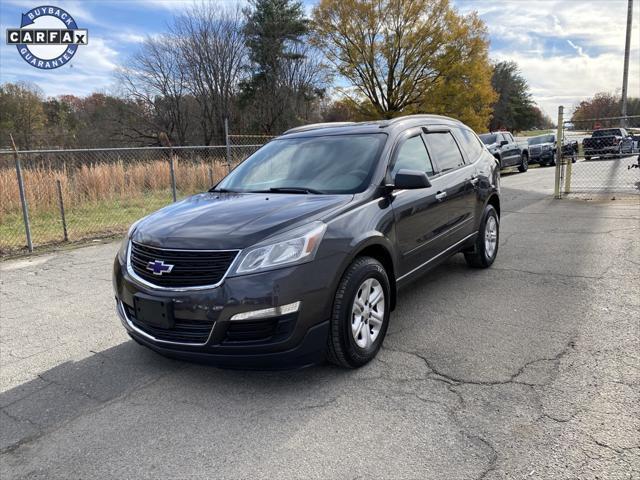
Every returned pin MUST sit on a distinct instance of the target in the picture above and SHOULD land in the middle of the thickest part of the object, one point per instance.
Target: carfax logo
(48, 37)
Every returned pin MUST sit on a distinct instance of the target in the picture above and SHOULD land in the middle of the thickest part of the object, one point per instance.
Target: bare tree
(213, 54)
(156, 79)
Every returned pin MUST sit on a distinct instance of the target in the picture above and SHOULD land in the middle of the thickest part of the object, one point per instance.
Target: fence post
(173, 174)
(226, 140)
(23, 197)
(567, 173)
(62, 216)
(559, 133)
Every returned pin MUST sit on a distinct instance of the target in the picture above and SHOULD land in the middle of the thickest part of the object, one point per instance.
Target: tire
(524, 163)
(552, 162)
(481, 256)
(345, 346)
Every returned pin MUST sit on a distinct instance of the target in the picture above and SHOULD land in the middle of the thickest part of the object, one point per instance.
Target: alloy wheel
(490, 236)
(367, 313)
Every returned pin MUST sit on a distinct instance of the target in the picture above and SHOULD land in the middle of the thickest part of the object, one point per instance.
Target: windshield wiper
(222, 190)
(289, 190)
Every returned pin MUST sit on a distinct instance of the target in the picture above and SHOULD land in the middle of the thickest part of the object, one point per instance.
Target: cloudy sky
(567, 49)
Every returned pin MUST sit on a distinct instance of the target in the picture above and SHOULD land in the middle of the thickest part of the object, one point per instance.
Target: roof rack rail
(313, 126)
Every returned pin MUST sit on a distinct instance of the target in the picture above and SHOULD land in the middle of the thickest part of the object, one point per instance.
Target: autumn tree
(21, 115)
(593, 111)
(401, 55)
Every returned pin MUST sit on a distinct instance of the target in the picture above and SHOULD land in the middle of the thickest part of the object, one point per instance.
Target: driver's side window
(413, 155)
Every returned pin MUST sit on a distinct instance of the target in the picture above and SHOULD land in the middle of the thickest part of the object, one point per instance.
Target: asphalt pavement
(530, 369)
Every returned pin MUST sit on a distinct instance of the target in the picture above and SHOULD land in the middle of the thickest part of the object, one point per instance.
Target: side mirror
(410, 179)
(503, 143)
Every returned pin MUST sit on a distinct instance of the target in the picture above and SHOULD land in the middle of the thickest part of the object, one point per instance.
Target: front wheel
(524, 163)
(360, 314)
(486, 247)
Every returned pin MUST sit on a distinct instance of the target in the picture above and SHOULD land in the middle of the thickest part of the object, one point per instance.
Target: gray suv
(298, 254)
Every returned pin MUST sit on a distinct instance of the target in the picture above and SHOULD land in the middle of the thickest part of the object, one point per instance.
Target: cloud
(566, 50)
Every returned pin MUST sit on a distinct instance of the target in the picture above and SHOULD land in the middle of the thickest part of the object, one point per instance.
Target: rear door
(421, 221)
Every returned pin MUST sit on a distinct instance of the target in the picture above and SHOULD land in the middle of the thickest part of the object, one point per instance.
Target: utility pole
(625, 74)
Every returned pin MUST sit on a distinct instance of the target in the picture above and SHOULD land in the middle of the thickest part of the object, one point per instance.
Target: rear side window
(470, 143)
(412, 155)
(444, 150)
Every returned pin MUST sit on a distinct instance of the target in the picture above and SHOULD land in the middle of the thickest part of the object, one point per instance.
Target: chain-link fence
(600, 158)
(78, 194)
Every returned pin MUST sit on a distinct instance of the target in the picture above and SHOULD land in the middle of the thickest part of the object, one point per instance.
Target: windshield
(606, 133)
(542, 139)
(327, 164)
(488, 138)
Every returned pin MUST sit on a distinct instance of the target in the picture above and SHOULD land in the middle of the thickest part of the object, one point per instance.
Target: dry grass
(98, 198)
(100, 182)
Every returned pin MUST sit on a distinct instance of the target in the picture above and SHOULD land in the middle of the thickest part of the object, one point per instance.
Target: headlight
(124, 246)
(122, 251)
(546, 147)
(294, 247)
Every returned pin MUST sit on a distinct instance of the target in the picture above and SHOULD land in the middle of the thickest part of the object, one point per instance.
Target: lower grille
(184, 331)
(180, 268)
(260, 331)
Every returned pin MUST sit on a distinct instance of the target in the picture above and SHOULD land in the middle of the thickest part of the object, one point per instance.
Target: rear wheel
(524, 162)
(360, 314)
(486, 247)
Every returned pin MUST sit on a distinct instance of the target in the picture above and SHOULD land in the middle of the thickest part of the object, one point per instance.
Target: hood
(218, 221)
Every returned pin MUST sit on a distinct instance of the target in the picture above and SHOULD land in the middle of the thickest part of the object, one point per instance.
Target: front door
(419, 213)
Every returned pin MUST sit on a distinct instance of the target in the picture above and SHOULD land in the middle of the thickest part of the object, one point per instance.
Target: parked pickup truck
(608, 141)
(543, 149)
(509, 153)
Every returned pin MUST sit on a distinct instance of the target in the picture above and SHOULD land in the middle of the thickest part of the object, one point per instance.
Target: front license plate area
(153, 312)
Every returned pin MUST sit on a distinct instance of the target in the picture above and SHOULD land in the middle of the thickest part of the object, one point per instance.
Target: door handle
(441, 196)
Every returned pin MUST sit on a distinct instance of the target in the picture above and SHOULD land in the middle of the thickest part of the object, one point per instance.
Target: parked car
(298, 253)
(509, 153)
(608, 142)
(543, 149)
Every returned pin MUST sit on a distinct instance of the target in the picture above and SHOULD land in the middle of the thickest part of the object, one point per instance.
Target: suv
(543, 149)
(298, 253)
(509, 153)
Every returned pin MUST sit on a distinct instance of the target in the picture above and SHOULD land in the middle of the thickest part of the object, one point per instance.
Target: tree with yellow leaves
(409, 56)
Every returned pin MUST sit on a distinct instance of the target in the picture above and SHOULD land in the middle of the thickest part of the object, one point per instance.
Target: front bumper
(290, 340)
(544, 156)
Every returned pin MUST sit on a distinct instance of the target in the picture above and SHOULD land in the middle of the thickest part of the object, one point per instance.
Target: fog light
(268, 312)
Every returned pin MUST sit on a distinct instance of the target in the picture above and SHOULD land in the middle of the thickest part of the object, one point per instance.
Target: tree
(591, 112)
(400, 55)
(156, 79)
(285, 75)
(214, 54)
(514, 109)
(464, 89)
(21, 115)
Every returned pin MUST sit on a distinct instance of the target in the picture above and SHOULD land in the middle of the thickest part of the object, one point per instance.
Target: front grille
(535, 151)
(184, 331)
(191, 268)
